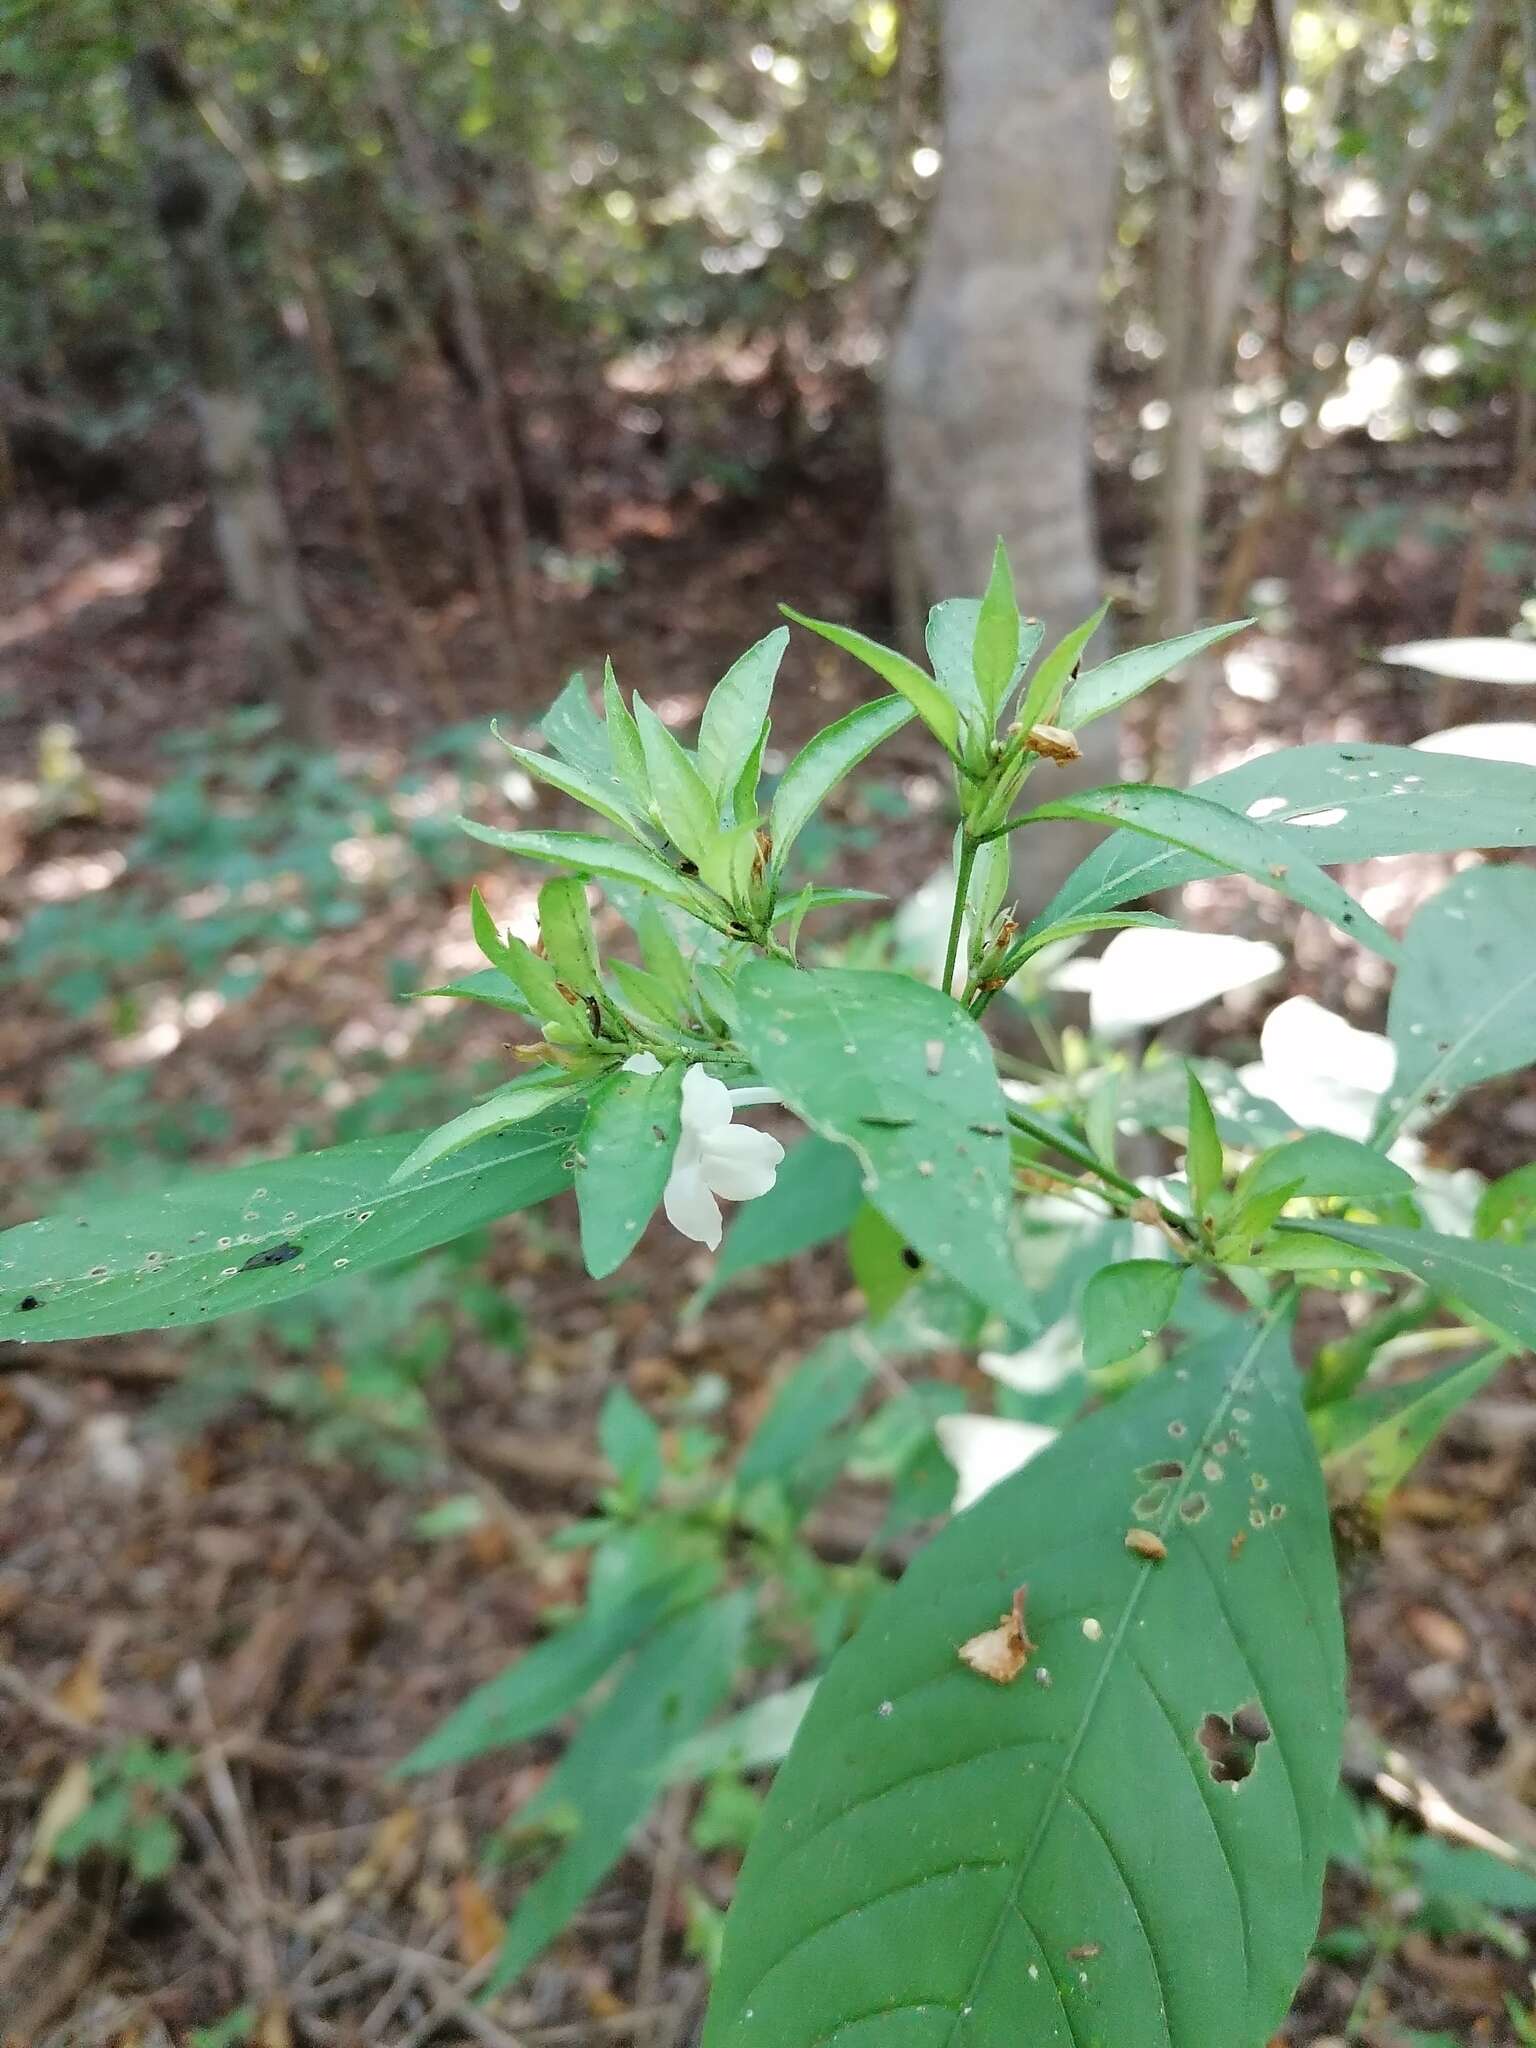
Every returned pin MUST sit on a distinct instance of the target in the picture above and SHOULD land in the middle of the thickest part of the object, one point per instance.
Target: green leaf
(588, 855)
(1345, 803)
(822, 1391)
(1051, 678)
(576, 733)
(951, 641)
(647, 996)
(902, 1075)
(930, 703)
(549, 1680)
(884, 1266)
(1376, 1436)
(631, 1443)
(252, 1235)
(749, 1741)
(1322, 1163)
(995, 649)
(800, 907)
(663, 955)
(1203, 1159)
(680, 798)
(1234, 844)
(485, 985)
(623, 1158)
(945, 1862)
(609, 1772)
(731, 728)
(565, 927)
(1079, 927)
(1124, 676)
(539, 986)
(815, 1198)
(1124, 1307)
(577, 784)
(1463, 1006)
(488, 934)
(744, 794)
(624, 740)
(1495, 1281)
(1507, 1209)
(515, 1104)
(821, 765)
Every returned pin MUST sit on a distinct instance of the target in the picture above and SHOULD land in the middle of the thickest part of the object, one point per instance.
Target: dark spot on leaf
(1084, 1952)
(274, 1255)
(28, 1301)
(1194, 1509)
(1165, 1468)
(1152, 1502)
(1233, 1746)
(913, 1261)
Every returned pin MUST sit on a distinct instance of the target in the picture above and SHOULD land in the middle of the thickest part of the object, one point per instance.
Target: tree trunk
(249, 522)
(990, 380)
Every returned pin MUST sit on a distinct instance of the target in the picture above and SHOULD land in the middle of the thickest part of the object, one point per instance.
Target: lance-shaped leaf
(1232, 843)
(1341, 802)
(1125, 1843)
(1372, 1440)
(732, 725)
(1463, 1006)
(1495, 1281)
(902, 1075)
(580, 784)
(515, 1104)
(252, 1235)
(608, 1775)
(623, 1159)
(950, 636)
(624, 741)
(1049, 681)
(680, 798)
(1124, 676)
(823, 762)
(930, 703)
(1323, 1163)
(589, 855)
(995, 647)
(570, 944)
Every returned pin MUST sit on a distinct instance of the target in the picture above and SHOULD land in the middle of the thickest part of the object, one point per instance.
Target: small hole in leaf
(1194, 1509)
(1165, 1468)
(1233, 1746)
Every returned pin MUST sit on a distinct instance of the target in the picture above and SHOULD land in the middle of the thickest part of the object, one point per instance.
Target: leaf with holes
(1345, 803)
(1126, 1843)
(900, 1073)
(1235, 844)
(1463, 1006)
(218, 1242)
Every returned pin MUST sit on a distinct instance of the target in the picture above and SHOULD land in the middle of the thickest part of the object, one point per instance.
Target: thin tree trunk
(254, 545)
(990, 381)
(1242, 556)
(469, 332)
(296, 247)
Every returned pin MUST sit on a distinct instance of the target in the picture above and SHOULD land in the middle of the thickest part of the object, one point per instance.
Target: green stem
(1115, 1184)
(1339, 1368)
(957, 916)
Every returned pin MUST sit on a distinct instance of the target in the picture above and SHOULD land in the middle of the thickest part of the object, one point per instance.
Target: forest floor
(188, 1557)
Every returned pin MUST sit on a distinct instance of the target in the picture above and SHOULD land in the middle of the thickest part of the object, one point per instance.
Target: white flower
(985, 1449)
(715, 1157)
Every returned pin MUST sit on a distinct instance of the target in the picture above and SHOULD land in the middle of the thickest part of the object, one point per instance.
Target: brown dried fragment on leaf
(1054, 742)
(1146, 1545)
(1001, 1653)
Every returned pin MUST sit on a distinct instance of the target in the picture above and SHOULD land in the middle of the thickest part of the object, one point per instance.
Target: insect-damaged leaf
(948, 1863)
(1463, 1006)
(148, 1262)
(1344, 803)
(905, 1077)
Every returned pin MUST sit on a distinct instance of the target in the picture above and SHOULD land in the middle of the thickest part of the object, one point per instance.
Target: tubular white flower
(716, 1158)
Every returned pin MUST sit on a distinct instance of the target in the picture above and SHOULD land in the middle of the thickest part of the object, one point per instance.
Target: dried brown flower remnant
(1146, 1545)
(1001, 1653)
(1054, 742)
